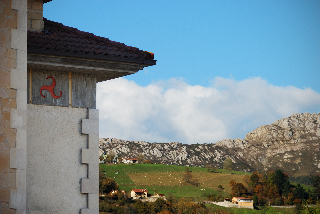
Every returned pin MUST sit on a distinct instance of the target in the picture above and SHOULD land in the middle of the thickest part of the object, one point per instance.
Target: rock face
(291, 144)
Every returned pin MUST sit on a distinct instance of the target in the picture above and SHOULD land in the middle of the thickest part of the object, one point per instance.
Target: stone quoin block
(89, 186)
(22, 20)
(17, 158)
(93, 201)
(22, 98)
(20, 39)
(37, 24)
(18, 119)
(89, 155)
(11, 21)
(21, 136)
(18, 199)
(90, 126)
(11, 180)
(21, 176)
(19, 5)
(18, 75)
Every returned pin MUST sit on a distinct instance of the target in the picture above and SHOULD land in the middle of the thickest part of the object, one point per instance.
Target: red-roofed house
(139, 193)
(129, 160)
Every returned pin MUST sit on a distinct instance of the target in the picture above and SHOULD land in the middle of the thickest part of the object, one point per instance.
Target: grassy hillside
(169, 178)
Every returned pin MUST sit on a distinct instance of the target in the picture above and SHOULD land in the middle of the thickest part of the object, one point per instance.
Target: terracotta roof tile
(58, 39)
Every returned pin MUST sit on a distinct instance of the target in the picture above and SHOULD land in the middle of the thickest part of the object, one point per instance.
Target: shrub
(104, 207)
(255, 200)
(148, 162)
(278, 201)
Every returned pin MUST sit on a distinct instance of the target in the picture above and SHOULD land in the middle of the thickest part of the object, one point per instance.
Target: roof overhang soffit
(103, 70)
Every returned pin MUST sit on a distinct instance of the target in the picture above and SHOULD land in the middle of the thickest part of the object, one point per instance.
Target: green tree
(119, 160)
(279, 179)
(159, 205)
(254, 178)
(232, 182)
(220, 188)
(110, 157)
(148, 162)
(255, 200)
(141, 158)
(286, 188)
(170, 197)
(278, 201)
(189, 179)
(106, 185)
(316, 186)
(227, 164)
(141, 207)
(238, 190)
(210, 168)
(187, 206)
(300, 193)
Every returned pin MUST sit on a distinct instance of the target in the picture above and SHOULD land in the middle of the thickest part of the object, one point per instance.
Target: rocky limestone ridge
(291, 143)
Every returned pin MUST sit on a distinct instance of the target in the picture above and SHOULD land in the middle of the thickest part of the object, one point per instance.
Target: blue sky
(255, 52)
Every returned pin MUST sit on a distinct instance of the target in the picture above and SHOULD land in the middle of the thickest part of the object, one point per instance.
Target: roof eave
(101, 68)
(147, 62)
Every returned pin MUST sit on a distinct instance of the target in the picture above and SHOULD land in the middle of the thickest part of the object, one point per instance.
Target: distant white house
(243, 202)
(139, 193)
(129, 160)
(236, 202)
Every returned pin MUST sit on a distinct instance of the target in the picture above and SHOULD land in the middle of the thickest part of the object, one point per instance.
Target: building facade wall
(62, 145)
(54, 163)
(65, 151)
(246, 204)
(13, 105)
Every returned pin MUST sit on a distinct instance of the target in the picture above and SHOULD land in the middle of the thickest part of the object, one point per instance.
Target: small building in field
(243, 202)
(139, 193)
(129, 160)
(227, 200)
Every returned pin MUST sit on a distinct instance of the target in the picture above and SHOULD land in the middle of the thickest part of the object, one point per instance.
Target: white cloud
(172, 110)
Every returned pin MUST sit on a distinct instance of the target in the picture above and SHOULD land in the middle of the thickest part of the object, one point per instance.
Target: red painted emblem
(50, 88)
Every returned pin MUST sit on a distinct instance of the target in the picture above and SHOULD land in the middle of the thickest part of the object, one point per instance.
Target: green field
(169, 179)
(166, 179)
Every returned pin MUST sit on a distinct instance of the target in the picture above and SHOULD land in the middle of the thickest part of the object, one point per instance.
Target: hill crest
(291, 144)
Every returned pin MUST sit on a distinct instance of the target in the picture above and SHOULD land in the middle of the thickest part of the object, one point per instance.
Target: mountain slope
(291, 144)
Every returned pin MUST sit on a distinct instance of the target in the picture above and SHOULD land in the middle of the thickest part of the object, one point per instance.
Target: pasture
(169, 179)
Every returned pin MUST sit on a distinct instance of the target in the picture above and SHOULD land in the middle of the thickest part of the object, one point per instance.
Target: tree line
(274, 188)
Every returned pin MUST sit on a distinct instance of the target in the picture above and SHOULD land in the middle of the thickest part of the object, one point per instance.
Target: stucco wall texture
(54, 168)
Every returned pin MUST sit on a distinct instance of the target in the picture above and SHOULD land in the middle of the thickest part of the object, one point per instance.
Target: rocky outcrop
(292, 144)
